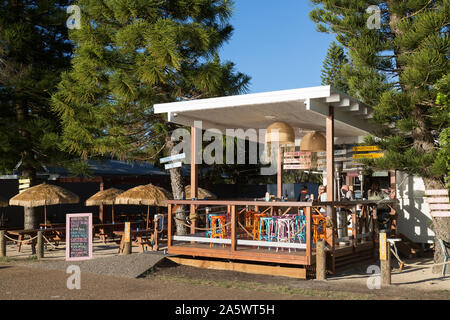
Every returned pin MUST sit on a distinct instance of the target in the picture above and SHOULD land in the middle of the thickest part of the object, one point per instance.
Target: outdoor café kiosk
(279, 231)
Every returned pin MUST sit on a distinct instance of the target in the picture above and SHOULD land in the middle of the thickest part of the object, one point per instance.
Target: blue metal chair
(268, 224)
(300, 228)
(444, 246)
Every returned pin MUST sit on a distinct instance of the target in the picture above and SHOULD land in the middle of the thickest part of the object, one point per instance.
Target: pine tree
(395, 69)
(33, 53)
(332, 68)
(132, 54)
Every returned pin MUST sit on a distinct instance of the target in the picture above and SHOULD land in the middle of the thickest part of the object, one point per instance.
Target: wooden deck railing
(235, 246)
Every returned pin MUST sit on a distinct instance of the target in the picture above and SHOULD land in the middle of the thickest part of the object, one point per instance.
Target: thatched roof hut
(105, 197)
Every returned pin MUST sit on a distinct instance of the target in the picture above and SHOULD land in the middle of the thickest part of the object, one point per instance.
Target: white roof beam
(335, 97)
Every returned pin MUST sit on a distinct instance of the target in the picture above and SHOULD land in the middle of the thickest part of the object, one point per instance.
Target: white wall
(414, 216)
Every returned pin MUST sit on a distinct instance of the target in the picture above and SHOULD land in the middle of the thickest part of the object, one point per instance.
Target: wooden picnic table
(52, 234)
(141, 238)
(105, 230)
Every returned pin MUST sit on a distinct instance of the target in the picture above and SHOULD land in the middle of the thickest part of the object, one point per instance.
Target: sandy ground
(22, 277)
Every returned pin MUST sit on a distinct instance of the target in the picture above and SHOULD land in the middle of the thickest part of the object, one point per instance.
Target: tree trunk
(440, 227)
(30, 219)
(176, 179)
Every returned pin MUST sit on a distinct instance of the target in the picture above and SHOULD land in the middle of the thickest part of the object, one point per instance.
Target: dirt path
(17, 282)
(168, 282)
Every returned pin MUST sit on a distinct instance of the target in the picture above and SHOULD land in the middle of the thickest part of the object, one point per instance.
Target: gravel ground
(128, 266)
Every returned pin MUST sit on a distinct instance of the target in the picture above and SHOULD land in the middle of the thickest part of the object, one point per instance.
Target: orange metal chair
(319, 228)
(249, 218)
(219, 229)
(256, 225)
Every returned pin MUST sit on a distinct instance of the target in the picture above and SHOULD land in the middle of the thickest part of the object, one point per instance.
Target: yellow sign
(366, 148)
(127, 232)
(24, 181)
(383, 246)
(368, 156)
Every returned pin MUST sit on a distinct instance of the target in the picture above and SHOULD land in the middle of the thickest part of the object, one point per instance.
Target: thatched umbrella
(44, 195)
(105, 197)
(201, 193)
(148, 195)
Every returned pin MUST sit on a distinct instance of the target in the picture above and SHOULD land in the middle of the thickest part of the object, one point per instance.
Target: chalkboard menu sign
(78, 236)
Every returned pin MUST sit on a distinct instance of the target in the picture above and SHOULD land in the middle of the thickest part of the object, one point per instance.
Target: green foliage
(132, 54)
(402, 70)
(332, 68)
(33, 53)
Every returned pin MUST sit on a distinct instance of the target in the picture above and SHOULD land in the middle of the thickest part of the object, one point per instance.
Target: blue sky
(276, 44)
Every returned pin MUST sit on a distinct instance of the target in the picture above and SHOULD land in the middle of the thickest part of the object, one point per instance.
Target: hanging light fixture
(281, 133)
(313, 142)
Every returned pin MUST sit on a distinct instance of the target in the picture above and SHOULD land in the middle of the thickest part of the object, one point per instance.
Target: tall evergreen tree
(33, 52)
(395, 68)
(132, 54)
(332, 68)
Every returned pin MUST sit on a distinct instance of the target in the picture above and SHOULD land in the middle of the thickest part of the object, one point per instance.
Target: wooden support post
(233, 229)
(331, 210)
(385, 260)
(194, 176)
(308, 235)
(355, 224)
(330, 154)
(321, 266)
(127, 248)
(100, 211)
(169, 226)
(279, 173)
(2, 243)
(127, 239)
(193, 217)
(40, 245)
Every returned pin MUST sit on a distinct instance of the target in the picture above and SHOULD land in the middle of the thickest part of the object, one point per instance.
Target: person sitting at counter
(303, 196)
(346, 193)
(322, 197)
(383, 210)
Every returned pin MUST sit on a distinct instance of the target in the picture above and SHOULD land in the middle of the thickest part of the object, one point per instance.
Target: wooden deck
(361, 246)
(283, 256)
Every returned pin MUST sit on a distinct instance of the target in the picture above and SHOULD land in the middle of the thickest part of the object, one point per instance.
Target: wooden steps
(282, 271)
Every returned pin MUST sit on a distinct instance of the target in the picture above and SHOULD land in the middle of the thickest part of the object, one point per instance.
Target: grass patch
(5, 259)
(11, 260)
(272, 288)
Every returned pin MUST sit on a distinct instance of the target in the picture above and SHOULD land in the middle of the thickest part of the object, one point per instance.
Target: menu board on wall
(78, 236)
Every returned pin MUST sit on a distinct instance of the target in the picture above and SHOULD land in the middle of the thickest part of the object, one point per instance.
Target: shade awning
(305, 109)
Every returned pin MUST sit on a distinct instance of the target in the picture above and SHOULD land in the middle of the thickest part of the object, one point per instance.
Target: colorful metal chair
(300, 229)
(285, 229)
(320, 228)
(218, 228)
(267, 229)
(208, 222)
(256, 224)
